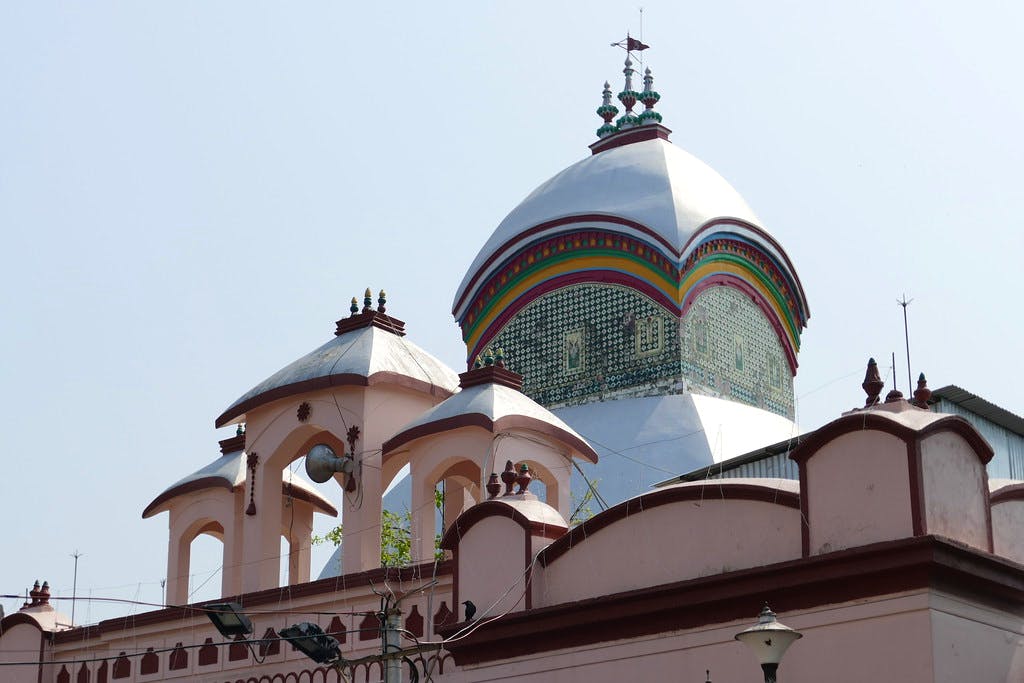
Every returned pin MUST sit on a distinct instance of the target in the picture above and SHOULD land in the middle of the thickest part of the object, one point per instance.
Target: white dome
(653, 183)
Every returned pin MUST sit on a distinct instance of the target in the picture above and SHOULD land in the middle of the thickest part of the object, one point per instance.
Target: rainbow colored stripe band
(608, 257)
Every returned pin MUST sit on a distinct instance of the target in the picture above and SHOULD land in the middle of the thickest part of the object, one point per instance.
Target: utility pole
(74, 585)
(906, 337)
(392, 643)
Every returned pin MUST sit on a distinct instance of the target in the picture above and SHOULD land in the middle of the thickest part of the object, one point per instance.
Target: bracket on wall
(351, 436)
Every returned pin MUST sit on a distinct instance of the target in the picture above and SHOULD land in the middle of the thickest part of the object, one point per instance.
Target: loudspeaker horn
(322, 462)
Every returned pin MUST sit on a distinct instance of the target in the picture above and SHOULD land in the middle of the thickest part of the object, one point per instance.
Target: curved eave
(762, 235)
(232, 414)
(497, 508)
(1012, 490)
(159, 503)
(884, 422)
(162, 502)
(484, 422)
(603, 262)
(18, 619)
(721, 490)
(299, 491)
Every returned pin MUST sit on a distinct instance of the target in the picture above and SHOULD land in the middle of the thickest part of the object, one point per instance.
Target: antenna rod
(906, 337)
(894, 370)
(641, 39)
(74, 585)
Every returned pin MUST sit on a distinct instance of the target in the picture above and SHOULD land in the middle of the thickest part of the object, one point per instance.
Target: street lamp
(769, 640)
(229, 618)
(311, 640)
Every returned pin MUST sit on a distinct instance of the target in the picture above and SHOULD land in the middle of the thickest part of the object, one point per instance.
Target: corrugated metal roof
(976, 404)
(739, 460)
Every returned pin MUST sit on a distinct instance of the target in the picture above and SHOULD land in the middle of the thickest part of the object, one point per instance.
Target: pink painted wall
(858, 491)
(972, 642)
(894, 632)
(1008, 529)
(19, 644)
(492, 566)
(673, 542)
(955, 490)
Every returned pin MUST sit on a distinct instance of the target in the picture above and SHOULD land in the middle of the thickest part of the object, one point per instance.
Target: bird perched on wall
(470, 609)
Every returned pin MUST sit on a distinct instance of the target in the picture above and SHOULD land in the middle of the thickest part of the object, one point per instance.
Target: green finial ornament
(628, 97)
(382, 299)
(367, 300)
(240, 430)
(606, 111)
(488, 357)
(477, 364)
(499, 358)
(354, 308)
(649, 97)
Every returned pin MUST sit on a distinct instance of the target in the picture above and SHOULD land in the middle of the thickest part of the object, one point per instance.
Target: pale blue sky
(191, 192)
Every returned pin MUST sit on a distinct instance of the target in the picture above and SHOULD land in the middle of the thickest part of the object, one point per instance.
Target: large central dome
(661, 189)
(637, 272)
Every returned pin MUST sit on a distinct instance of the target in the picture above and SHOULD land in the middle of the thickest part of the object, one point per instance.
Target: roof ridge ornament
(630, 127)
(369, 317)
(649, 97)
(872, 383)
(607, 111)
(629, 98)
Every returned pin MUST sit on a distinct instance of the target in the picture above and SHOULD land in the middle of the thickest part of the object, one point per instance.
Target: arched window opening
(204, 563)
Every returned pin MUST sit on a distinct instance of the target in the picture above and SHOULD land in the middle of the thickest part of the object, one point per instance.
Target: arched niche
(461, 475)
(179, 556)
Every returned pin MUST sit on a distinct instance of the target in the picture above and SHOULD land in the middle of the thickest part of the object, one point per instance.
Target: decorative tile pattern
(730, 350)
(580, 344)
(592, 342)
(608, 257)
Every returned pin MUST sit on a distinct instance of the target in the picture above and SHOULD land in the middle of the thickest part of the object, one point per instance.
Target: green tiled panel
(594, 342)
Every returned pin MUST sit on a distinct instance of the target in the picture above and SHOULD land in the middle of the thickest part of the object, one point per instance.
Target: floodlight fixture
(229, 619)
(768, 640)
(311, 640)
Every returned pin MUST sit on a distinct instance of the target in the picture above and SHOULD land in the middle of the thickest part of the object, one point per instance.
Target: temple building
(631, 308)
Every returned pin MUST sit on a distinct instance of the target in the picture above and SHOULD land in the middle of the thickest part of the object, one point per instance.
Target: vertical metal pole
(74, 585)
(906, 338)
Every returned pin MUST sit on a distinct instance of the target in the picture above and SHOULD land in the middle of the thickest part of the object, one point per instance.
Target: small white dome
(361, 356)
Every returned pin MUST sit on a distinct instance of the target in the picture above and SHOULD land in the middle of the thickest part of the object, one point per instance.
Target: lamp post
(769, 640)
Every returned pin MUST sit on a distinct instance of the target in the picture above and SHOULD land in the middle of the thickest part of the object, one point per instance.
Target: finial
(499, 358)
(606, 111)
(649, 97)
(354, 308)
(523, 479)
(488, 357)
(923, 393)
(239, 431)
(367, 300)
(382, 299)
(893, 396)
(872, 383)
(628, 97)
(493, 486)
(478, 363)
(508, 477)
